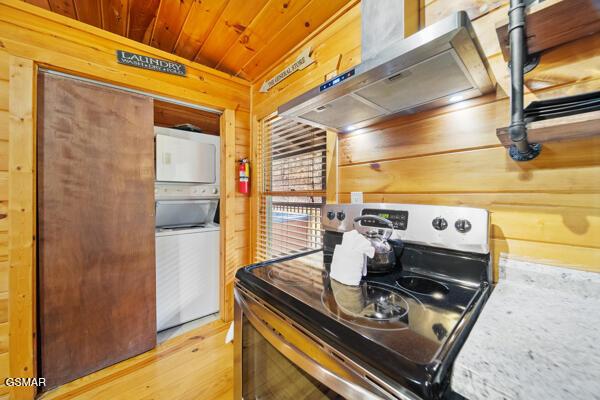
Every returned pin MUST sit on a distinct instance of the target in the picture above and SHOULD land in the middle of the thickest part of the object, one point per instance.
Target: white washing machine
(187, 274)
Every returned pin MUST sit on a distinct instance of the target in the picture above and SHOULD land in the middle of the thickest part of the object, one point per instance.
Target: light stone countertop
(538, 337)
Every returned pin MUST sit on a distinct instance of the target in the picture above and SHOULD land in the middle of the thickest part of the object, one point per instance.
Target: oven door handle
(340, 385)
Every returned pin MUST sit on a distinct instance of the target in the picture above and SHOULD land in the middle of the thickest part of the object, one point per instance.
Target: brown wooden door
(97, 290)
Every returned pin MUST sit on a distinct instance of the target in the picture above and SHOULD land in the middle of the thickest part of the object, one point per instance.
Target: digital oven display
(397, 217)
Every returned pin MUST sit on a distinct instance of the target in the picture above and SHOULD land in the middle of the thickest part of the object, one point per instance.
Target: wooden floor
(196, 365)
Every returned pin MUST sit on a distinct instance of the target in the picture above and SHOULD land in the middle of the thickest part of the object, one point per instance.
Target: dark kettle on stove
(384, 259)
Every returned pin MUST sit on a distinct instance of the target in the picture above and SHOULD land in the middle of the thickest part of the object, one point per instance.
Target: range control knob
(330, 215)
(341, 215)
(462, 225)
(439, 223)
(215, 191)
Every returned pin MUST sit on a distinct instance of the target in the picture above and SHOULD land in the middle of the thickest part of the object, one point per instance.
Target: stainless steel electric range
(301, 335)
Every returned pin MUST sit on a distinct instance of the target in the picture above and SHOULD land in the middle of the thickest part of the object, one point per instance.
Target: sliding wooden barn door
(95, 225)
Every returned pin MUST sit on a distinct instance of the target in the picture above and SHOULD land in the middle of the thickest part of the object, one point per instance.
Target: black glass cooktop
(403, 324)
(421, 315)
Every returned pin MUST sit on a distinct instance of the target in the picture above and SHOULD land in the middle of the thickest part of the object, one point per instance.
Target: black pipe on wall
(521, 149)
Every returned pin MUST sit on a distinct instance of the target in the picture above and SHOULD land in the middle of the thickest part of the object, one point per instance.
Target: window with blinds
(291, 187)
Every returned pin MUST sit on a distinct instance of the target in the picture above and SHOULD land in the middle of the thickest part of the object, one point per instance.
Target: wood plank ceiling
(240, 37)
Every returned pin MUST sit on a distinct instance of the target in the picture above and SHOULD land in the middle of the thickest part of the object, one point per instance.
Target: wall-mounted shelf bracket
(520, 149)
(548, 24)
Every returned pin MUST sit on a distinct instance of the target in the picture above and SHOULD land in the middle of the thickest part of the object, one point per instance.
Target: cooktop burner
(423, 286)
(366, 305)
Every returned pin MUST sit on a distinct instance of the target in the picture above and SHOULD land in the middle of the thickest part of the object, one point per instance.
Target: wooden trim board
(254, 192)
(22, 223)
(227, 219)
(572, 127)
(332, 167)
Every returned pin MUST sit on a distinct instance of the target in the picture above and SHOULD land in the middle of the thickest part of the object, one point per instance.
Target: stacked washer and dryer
(187, 230)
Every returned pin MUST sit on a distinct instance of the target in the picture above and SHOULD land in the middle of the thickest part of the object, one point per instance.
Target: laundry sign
(151, 63)
(303, 61)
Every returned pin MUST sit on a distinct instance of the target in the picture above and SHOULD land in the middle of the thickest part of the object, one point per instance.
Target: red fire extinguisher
(244, 176)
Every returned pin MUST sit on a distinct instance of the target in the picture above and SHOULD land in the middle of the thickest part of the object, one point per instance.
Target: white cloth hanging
(349, 262)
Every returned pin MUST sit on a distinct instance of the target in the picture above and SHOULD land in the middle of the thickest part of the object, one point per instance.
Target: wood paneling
(228, 220)
(570, 127)
(67, 45)
(4, 264)
(89, 12)
(226, 34)
(3, 94)
(22, 241)
(232, 22)
(193, 34)
(170, 114)
(114, 14)
(547, 209)
(272, 18)
(345, 33)
(63, 7)
(170, 19)
(242, 201)
(311, 19)
(97, 283)
(195, 365)
(585, 258)
(332, 170)
(472, 170)
(435, 10)
(4, 66)
(4, 339)
(64, 44)
(3, 308)
(142, 20)
(45, 4)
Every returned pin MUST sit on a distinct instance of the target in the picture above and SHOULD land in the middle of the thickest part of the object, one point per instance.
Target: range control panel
(455, 228)
(397, 217)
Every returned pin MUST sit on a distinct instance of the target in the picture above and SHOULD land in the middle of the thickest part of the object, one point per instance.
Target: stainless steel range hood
(440, 64)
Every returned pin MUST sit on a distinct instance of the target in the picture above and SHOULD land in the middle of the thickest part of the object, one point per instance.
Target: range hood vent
(438, 65)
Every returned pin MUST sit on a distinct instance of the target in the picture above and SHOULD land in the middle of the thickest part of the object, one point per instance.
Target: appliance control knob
(341, 215)
(330, 215)
(462, 225)
(215, 191)
(439, 223)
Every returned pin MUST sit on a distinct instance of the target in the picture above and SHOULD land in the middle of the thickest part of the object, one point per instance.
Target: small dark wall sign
(151, 63)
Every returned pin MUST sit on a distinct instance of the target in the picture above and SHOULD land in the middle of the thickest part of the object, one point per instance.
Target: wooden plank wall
(547, 209)
(242, 201)
(59, 43)
(4, 364)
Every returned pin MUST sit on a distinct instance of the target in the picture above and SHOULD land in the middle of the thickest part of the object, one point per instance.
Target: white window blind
(291, 186)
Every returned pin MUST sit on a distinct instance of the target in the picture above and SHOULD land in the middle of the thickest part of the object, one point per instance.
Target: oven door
(277, 359)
